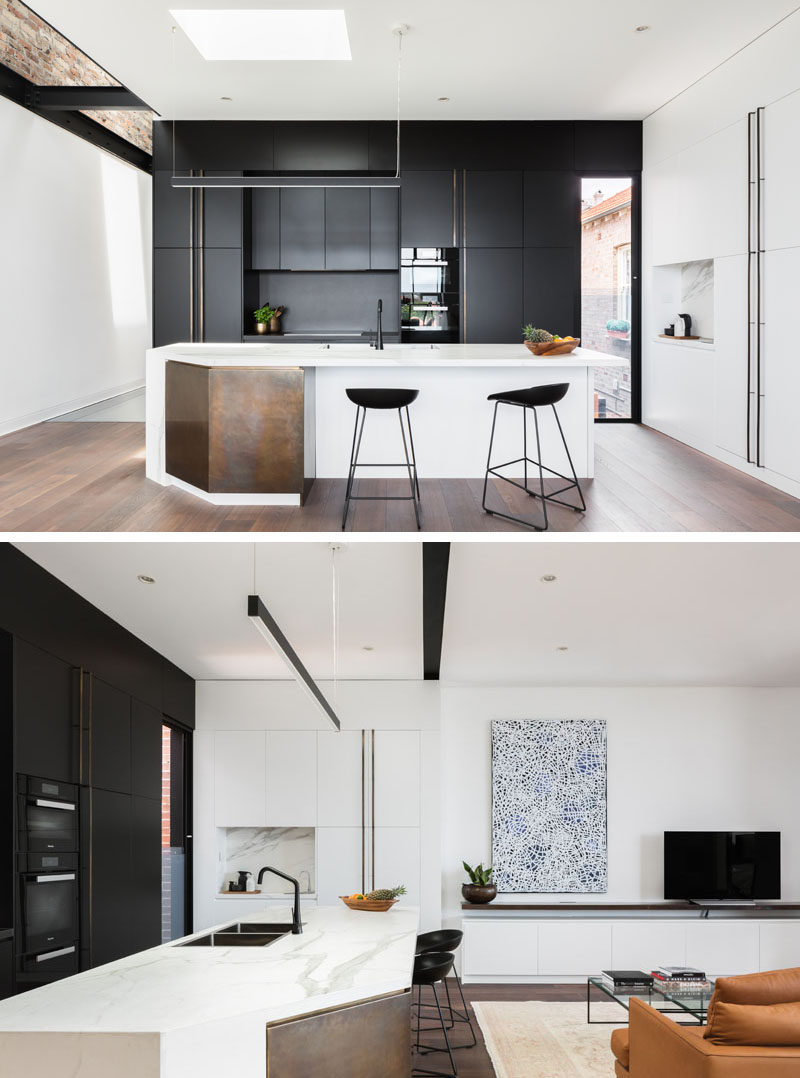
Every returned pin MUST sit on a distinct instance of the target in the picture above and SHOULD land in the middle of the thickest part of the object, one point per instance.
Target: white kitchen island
(202, 1012)
(451, 418)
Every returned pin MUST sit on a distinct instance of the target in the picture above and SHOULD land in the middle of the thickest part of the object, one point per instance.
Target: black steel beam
(15, 88)
(435, 563)
(70, 98)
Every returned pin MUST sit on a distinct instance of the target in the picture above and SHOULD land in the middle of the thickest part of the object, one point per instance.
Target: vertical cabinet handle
(755, 278)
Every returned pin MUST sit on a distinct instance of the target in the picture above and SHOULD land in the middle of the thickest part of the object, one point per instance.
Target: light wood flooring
(89, 476)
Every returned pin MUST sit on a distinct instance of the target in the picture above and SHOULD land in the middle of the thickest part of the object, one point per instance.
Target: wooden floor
(89, 476)
(475, 1062)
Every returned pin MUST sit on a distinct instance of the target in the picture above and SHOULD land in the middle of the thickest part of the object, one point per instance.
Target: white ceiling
(512, 59)
(631, 613)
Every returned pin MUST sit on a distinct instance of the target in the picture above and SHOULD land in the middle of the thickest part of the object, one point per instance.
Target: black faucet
(379, 333)
(297, 924)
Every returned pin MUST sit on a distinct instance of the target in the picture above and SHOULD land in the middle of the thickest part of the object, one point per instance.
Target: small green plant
(536, 336)
(480, 875)
(263, 314)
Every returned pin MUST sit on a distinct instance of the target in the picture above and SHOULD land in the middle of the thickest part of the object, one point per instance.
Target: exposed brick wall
(166, 746)
(605, 227)
(33, 49)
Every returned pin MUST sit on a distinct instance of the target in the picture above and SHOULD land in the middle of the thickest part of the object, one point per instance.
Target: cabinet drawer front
(574, 949)
(501, 948)
(722, 949)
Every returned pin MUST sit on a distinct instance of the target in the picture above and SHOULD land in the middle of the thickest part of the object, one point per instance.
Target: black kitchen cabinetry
(222, 295)
(492, 209)
(266, 228)
(46, 727)
(552, 209)
(172, 295)
(493, 293)
(222, 216)
(6, 968)
(109, 738)
(551, 298)
(146, 725)
(143, 903)
(347, 228)
(106, 888)
(302, 236)
(384, 232)
(171, 212)
(428, 209)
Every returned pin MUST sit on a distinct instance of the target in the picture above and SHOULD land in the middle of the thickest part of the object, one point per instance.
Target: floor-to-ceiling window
(608, 308)
(175, 865)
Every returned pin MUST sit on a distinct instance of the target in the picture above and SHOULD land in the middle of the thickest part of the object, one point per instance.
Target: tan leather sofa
(762, 1007)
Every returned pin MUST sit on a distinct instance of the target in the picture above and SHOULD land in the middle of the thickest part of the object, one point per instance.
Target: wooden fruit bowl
(368, 904)
(552, 348)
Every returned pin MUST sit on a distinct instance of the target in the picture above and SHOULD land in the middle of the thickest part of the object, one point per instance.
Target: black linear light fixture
(400, 30)
(271, 631)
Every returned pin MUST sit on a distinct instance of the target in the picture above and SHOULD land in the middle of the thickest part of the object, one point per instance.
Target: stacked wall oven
(47, 867)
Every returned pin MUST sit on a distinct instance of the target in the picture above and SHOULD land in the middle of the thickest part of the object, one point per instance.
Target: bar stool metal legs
(410, 465)
(525, 460)
(431, 969)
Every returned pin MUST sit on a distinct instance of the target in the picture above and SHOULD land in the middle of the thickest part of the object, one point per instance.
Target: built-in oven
(49, 905)
(47, 816)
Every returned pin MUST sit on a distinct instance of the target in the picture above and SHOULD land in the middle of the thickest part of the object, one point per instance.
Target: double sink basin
(242, 934)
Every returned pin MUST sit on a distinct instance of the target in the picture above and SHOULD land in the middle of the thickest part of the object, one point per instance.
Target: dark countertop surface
(501, 907)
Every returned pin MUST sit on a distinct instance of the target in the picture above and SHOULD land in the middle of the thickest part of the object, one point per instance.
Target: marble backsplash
(290, 849)
(697, 295)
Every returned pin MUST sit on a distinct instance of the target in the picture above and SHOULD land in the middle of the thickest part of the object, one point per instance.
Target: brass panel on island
(344, 1042)
(239, 430)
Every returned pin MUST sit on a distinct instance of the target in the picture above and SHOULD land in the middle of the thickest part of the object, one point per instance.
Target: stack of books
(626, 980)
(680, 980)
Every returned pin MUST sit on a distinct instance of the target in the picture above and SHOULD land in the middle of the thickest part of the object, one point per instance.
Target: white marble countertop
(341, 957)
(285, 354)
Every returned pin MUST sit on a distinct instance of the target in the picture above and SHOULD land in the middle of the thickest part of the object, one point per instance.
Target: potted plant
(480, 889)
(619, 328)
(267, 319)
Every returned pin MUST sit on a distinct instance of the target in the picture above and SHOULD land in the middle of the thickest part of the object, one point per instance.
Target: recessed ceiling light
(145, 579)
(442, 98)
(266, 34)
(367, 647)
(562, 647)
(548, 578)
(641, 29)
(226, 99)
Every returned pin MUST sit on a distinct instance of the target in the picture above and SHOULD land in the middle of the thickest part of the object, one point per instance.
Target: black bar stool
(533, 398)
(431, 969)
(448, 939)
(383, 399)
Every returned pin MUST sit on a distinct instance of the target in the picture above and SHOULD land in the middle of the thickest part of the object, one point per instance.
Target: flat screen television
(722, 865)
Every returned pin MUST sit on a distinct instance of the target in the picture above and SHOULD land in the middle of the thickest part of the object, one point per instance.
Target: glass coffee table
(689, 1003)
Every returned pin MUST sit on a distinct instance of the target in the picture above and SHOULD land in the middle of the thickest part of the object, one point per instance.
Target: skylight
(266, 35)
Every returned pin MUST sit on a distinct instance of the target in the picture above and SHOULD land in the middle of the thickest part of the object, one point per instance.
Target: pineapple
(537, 336)
(385, 893)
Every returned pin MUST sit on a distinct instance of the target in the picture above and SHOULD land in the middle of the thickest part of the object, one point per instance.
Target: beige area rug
(548, 1040)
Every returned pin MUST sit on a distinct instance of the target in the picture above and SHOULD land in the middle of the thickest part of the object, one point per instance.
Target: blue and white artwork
(549, 805)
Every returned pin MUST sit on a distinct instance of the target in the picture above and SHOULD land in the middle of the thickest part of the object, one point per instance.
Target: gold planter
(262, 327)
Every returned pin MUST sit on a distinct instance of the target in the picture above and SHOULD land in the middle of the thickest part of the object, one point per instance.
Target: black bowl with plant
(480, 889)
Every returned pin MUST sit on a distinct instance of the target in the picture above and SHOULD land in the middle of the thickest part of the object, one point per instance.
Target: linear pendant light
(302, 181)
(271, 631)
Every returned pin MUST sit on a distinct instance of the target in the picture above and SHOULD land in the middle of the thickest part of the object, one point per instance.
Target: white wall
(729, 758)
(75, 226)
(695, 207)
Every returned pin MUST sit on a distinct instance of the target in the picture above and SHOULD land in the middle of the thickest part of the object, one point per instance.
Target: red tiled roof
(608, 205)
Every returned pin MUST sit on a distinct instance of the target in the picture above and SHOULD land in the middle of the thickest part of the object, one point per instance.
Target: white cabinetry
(723, 948)
(781, 122)
(240, 778)
(514, 947)
(397, 860)
(501, 949)
(730, 356)
(568, 948)
(396, 778)
(339, 778)
(338, 863)
(291, 778)
(781, 371)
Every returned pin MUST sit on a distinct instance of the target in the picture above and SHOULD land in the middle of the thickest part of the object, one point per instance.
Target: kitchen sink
(249, 934)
